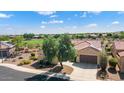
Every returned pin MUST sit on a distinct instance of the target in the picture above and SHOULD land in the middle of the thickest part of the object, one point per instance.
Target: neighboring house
(118, 52)
(6, 49)
(37, 37)
(88, 51)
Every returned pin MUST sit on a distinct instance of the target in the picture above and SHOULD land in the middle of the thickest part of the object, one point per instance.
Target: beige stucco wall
(122, 64)
(88, 51)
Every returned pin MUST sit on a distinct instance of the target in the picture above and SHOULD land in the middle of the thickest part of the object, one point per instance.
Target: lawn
(32, 42)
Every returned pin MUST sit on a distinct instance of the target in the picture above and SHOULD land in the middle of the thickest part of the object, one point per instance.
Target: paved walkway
(82, 71)
(23, 69)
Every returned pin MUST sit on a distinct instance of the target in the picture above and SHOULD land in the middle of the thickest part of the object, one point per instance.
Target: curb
(22, 69)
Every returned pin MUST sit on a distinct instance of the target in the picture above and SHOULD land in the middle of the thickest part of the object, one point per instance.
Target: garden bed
(66, 69)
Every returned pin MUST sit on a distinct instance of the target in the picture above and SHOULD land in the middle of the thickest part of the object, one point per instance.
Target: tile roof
(5, 45)
(121, 54)
(81, 44)
(119, 45)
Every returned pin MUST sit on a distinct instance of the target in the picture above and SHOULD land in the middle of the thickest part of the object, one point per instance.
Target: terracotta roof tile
(119, 45)
(121, 53)
(81, 44)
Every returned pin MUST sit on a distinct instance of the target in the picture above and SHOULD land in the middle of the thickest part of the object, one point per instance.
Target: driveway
(8, 74)
(82, 71)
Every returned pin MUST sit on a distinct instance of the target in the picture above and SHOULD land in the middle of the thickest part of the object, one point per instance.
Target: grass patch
(31, 43)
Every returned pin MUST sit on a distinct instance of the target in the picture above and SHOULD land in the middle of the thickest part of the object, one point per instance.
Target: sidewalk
(23, 69)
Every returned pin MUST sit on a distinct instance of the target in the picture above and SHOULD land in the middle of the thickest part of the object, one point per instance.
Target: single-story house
(6, 49)
(37, 37)
(118, 52)
(88, 51)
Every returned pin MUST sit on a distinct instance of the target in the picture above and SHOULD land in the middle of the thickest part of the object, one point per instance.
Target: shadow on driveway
(85, 65)
(112, 70)
(121, 75)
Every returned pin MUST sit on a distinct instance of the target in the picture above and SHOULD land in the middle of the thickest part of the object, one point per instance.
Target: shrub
(24, 62)
(45, 63)
(27, 62)
(32, 54)
(33, 58)
(20, 57)
(108, 49)
(103, 61)
(26, 51)
(113, 62)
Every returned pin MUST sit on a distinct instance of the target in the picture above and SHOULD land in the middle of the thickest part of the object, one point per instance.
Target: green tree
(18, 41)
(113, 62)
(28, 36)
(103, 61)
(66, 51)
(115, 36)
(121, 36)
(109, 34)
(56, 35)
(50, 48)
(81, 36)
(4, 38)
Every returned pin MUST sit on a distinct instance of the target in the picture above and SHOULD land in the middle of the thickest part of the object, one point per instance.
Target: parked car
(49, 77)
(59, 77)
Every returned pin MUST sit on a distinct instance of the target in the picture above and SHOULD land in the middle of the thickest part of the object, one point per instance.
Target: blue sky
(51, 22)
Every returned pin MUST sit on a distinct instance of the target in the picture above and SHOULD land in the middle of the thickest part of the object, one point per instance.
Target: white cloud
(115, 22)
(43, 22)
(76, 15)
(95, 12)
(74, 27)
(120, 12)
(69, 18)
(56, 22)
(53, 16)
(2, 15)
(46, 13)
(42, 26)
(9, 28)
(84, 15)
(52, 22)
(91, 25)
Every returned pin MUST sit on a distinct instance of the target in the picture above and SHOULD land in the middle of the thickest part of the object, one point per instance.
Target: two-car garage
(88, 59)
(88, 51)
(89, 55)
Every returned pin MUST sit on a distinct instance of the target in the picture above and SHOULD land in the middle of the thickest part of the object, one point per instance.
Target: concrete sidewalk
(23, 69)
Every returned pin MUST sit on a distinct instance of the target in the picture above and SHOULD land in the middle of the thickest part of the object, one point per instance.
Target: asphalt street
(8, 74)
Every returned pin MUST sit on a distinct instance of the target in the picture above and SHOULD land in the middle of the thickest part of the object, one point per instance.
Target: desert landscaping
(89, 52)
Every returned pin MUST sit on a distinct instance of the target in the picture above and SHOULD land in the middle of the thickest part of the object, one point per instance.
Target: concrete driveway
(83, 71)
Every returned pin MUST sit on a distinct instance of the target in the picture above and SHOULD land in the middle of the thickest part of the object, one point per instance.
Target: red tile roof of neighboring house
(81, 44)
(119, 45)
(121, 54)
